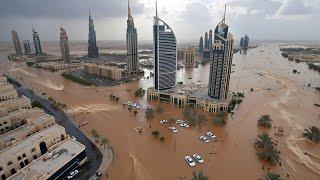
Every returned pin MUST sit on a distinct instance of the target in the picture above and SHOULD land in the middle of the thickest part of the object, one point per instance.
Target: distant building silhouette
(64, 46)
(244, 42)
(165, 54)
(37, 43)
(92, 42)
(189, 54)
(27, 48)
(206, 41)
(201, 45)
(132, 45)
(210, 41)
(16, 43)
(220, 66)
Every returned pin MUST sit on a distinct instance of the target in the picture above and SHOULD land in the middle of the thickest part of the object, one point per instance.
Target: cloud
(69, 9)
(293, 7)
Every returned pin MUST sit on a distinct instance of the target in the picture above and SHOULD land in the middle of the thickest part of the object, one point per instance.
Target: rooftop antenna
(156, 8)
(224, 15)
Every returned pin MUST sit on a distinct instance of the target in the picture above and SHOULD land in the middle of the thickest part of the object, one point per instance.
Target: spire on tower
(156, 8)
(224, 15)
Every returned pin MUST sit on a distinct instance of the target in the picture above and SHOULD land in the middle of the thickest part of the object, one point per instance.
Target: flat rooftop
(23, 112)
(52, 161)
(16, 133)
(31, 140)
(12, 101)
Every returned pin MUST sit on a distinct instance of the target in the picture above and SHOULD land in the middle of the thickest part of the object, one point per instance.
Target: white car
(173, 129)
(190, 161)
(204, 139)
(198, 158)
(72, 174)
(211, 135)
(163, 121)
(179, 121)
(184, 125)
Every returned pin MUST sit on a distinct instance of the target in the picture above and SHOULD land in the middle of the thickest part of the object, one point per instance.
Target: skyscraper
(189, 54)
(220, 66)
(132, 44)
(246, 42)
(201, 45)
(16, 43)
(27, 48)
(64, 46)
(210, 41)
(92, 43)
(36, 42)
(164, 54)
(206, 41)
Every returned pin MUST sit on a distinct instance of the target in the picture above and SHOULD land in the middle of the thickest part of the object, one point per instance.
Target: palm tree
(199, 176)
(264, 121)
(272, 176)
(149, 113)
(270, 154)
(263, 140)
(313, 134)
(155, 133)
(104, 142)
(135, 112)
(117, 99)
(95, 134)
(202, 119)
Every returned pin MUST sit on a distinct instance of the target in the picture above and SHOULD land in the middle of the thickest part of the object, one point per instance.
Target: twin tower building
(165, 58)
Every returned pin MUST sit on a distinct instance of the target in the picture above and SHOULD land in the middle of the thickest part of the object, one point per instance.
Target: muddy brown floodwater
(277, 92)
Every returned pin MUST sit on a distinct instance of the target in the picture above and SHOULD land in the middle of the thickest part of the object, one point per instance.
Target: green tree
(35, 103)
(272, 176)
(155, 133)
(117, 99)
(312, 133)
(95, 134)
(199, 176)
(104, 142)
(264, 121)
(218, 121)
(263, 140)
(135, 112)
(149, 113)
(269, 154)
(162, 139)
(201, 119)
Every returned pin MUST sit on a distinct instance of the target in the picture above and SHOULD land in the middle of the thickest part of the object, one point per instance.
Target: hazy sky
(260, 19)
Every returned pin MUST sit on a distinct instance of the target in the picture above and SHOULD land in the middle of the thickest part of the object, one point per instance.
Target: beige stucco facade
(14, 104)
(109, 72)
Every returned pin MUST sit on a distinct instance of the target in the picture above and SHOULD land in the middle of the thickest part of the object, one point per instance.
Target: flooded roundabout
(277, 92)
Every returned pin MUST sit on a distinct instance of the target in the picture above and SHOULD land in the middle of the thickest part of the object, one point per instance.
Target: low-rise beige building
(6, 88)
(55, 163)
(101, 70)
(33, 125)
(190, 95)
(3, 80)
(14, 104)
(58, 66)
(17, 118)
(19, 155)
(8, 95)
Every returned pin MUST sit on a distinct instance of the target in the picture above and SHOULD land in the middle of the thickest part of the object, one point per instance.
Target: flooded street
(277, 92)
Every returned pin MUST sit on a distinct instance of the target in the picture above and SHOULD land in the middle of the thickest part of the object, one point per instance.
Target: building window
(24, 155)
(1, 168)
(33, 150)
(21, 164)
(19, 158)
(26, 162)
(35, 157)
(9, 163)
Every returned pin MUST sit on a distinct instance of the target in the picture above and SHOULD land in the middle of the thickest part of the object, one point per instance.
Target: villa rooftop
(51, 162)
(31, 140)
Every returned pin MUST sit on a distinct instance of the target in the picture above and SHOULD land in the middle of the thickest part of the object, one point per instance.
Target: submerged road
(93, 153)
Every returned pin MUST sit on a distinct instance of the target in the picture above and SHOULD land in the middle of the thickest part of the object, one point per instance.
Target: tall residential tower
(164, 54)
(132, 45)
(220, 66)
(92, 43)
(36, 42)
(27, 48)
(206, 41)
(64, 46)
(16, 43)
(201, 45)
